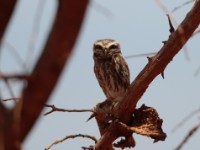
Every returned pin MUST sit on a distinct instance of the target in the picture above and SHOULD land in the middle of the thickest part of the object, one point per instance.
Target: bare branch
(6, 10)
(124, 109)
(165, 10)
(13, 76)
(71, 136)
(15, 54)
(188, 136)
(43, 79)
(7, 77)
(140, 55)
(180, 6)
(197, 72)
(35, 30)
(189, 116)
(104, 11)
(54, 108)
(9, 99)
(9, 87)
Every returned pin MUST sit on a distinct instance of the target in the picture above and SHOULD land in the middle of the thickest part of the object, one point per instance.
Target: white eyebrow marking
(112, 43)
(98, 43)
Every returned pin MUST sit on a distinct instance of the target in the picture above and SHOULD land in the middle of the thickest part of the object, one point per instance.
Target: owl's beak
(105, 51)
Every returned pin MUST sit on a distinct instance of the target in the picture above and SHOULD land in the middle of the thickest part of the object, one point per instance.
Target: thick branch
(6, 10)
(157, 64)
(51, 63)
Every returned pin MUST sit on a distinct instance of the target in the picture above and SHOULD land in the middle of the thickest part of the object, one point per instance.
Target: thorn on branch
(149, 59)
(163, 75)
(70, 137)
(171, 30)
(164, 42)
(91, 116)
(54, 108)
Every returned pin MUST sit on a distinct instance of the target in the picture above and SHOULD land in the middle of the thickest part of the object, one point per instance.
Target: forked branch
(123, 110)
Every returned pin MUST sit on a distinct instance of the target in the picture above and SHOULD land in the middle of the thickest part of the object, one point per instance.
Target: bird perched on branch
(111, 69)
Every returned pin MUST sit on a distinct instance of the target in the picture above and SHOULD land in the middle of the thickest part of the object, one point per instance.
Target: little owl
(111, 69)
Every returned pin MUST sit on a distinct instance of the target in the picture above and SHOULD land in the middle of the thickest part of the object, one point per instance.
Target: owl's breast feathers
(113, 76)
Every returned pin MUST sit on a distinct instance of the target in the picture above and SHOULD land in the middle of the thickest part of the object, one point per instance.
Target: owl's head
(106, 49)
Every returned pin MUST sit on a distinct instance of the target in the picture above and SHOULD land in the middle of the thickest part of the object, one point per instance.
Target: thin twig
(9, 99)
(54, 108)
(15, 53)
(197, 72)
(188, 136)
(189, 116)
(71, 136)
(9, 87)
(7, 77)
(180, 6)
(140, 55)
(103, 10)
(35, 30)
(13, 76)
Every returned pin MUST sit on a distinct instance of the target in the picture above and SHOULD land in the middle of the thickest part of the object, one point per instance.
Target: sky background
(140, 26)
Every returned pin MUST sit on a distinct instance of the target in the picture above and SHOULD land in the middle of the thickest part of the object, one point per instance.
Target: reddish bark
(45, 75)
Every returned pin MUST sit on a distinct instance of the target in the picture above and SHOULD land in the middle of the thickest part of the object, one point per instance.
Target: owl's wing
(123, 71)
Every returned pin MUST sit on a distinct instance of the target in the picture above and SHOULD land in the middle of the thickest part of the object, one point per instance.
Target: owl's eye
(98, 47)
(113, 47)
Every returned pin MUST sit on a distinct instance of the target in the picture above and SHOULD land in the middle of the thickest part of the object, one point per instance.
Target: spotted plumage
(111, 69)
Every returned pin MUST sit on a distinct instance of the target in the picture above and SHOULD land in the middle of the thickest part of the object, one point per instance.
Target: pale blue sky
(140, 26)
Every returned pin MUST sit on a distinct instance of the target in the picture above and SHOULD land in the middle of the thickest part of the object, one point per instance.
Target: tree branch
(6, 10)
(9, 99)
(13, 76)
(188, 136)
(123, 110)
(46, 73)
(54, 108)
(189, 116)
(71, 136)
